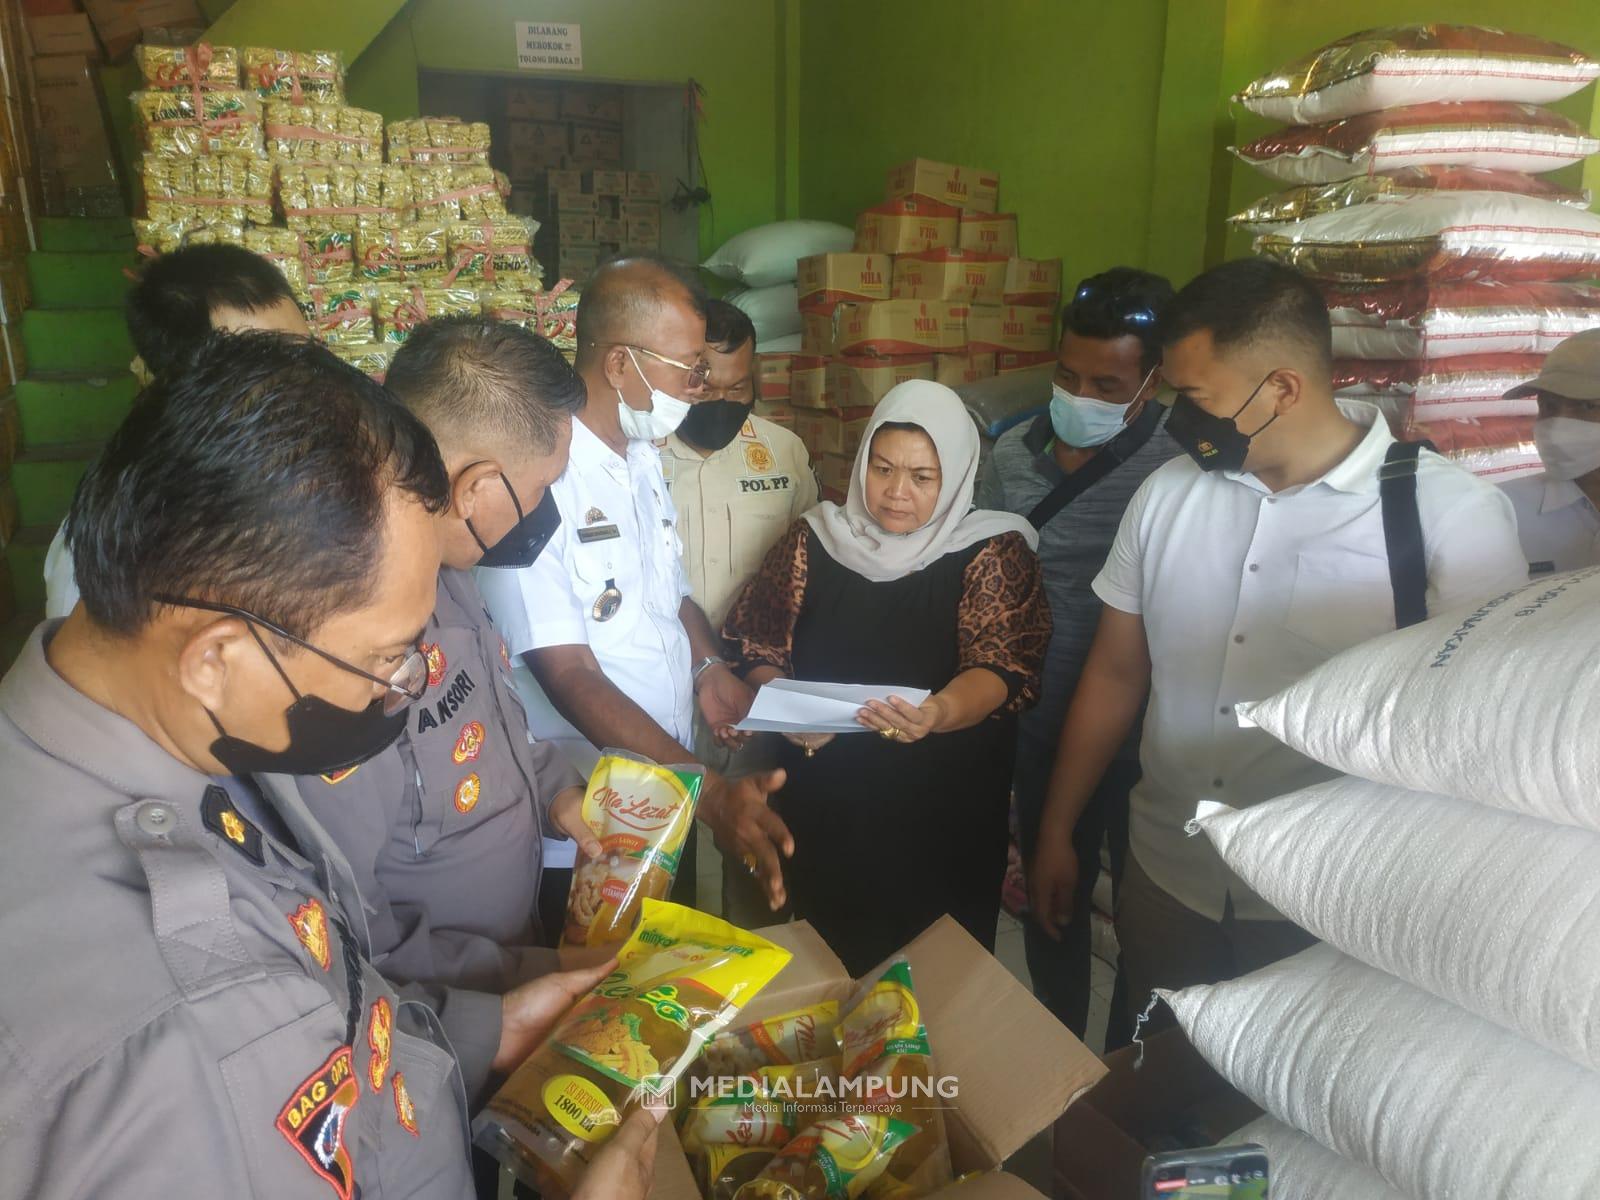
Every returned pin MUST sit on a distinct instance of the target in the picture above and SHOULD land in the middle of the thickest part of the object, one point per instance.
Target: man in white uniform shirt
(615, 653)
(1236, 570)
(1556, 514)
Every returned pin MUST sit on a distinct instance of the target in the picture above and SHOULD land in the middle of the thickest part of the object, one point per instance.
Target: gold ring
(750, 863)
(890, 734)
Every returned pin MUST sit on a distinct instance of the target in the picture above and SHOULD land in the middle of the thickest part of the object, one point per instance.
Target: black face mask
(1215, 443)
(712, 424)
(323, 738)
(523, 542)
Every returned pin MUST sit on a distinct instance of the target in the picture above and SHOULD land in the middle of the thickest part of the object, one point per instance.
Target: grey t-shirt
(1073, 546)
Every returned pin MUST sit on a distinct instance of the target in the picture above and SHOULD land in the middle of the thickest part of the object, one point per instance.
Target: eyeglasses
(697, 373)
(405, 686)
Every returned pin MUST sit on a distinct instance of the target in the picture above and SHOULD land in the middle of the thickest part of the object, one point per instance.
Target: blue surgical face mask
(1083, 421)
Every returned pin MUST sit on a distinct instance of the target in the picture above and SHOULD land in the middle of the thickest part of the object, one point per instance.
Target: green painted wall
(1060, 97)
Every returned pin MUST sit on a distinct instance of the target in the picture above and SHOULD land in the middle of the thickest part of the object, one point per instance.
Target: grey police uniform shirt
(443, 830)
(187, 1007)
(1073, 547)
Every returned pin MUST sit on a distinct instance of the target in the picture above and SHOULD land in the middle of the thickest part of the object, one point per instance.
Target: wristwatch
(701, 667)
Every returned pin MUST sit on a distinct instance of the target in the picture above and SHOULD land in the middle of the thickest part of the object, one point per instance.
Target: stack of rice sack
(1451, 263)
(1444, 1039)
(375, 229)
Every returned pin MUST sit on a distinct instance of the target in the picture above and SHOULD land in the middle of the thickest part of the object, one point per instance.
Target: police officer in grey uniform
(188, 1007)
(444, 829)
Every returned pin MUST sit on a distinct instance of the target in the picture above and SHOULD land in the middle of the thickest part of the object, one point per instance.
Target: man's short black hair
(487, 382)
(254, 475)
(728, 327)
(169, 308)
(624, 298)
(1248, 301)
(1121, 302)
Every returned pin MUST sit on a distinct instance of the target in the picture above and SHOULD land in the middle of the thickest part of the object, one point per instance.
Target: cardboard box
(48, 8)
(606, 183)
(1007, 361)
(961, 275)
(989, 233)
(597, 147)
(776, 411)
(639, 210)
(819, 333)
(858, 383)
(644, 234)
(772, 375)
(1174, 1099)
(890, 328)
(827, 280)
(564, 181)
(577, 231)
(579, 262)
(953, 370)
(808, 381)
(116, 22)
(1033, 283)
(71, 34)
(832, 432)
(906, 226)
(14, 295)
(537, 135)
(74, 151)
(969, 188)
(644, 185)
(609, 229)
(528, 162)
(530, 102)
(833, 474)
(170, 22)
(580, 204)
(590, 103)
(1011, 327)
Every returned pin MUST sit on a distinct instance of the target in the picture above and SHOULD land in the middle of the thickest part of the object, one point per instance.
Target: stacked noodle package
(1421, 203)
(375, 228)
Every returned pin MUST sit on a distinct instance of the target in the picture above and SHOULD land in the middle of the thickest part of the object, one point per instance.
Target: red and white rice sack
(1443, 237)
(1418, 64)
(1493, 134)
(1450, 389)
(1273, 212)
(1450, 320)
(1497, 448)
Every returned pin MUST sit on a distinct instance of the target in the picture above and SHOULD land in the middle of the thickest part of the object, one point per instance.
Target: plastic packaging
(1452, 320)
(203, 122)
(300, 76)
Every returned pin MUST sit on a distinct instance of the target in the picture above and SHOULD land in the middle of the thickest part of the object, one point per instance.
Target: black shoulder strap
(1402, 532)
(1111, 456)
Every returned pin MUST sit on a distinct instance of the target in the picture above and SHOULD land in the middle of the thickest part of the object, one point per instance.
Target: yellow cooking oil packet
(837, 1158)
(680, 978)
(642, 814)
(723, 1170)
(800, 1036)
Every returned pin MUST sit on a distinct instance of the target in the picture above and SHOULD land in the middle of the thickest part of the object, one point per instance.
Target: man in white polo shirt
(1236, 570)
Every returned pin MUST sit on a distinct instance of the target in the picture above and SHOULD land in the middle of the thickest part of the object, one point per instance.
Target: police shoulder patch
(404, 1110)
(220, 816)
(314, 1119)
(310, 924)
(380, 1040)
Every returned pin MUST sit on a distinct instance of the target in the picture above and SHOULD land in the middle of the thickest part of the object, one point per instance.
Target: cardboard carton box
(595, 146)
(1174, 1099)
(960, 275)
(808, 381)
(116, 22)
(860, 382)
(610, 229)
(989, 233)
(953, 370)
(639, 210)
(531, 102)
(828, 280)
(645, 233)
(772, 375)
(75, 150)
(1011, 327)
(1007, 361)
(968, 188)
(780, 414)
(564, 181)
(590, 103)
(819, 333)
(644, 185)
(606, 183)
(537, 135)
(1033, 283)
(577, 203)
(14, 295)
(888, 328)
(835, 432)
(170, 22)
(579, 262)
(527, 162)
(906, 226)
(70, 34)
(833, 474)
(577, 237)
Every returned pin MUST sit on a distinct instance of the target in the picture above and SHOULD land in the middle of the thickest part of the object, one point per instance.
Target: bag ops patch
(313, 1121)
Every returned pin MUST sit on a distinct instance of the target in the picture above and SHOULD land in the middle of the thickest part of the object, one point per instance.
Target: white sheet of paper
(801, 706)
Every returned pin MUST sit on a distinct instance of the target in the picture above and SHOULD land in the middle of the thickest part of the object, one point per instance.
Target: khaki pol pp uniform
(187, 1007)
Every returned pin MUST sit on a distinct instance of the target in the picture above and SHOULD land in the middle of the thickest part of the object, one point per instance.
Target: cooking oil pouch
(793, 1037)
(680, 978)
(744, 1116)
(838, 1158)
(723, 1170)
(643, 814)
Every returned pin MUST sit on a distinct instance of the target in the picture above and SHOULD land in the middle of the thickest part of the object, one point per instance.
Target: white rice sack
(774, 311)
(1496, 703)
(768, 254)
(1302, 1168)
(1495, 912)
(1441, 1103)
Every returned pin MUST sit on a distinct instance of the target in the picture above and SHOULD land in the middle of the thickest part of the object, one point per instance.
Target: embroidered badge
(758, 458)
(505, 657)
(310, 924)
(437, 665)
(403, 1108)
(337, 777)
(593, 516)
(467, 792)
(380, 1027)
(469, 744)
(314, 1119)
(219, 815)
(748, 430)
(608, 602)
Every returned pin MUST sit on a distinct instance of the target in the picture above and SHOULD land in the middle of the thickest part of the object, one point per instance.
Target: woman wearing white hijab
(904, 584)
